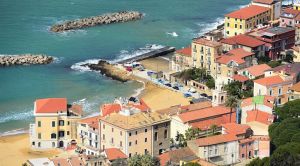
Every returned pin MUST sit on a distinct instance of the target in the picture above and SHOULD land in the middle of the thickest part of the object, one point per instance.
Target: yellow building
(296, 52)
(204, 53)
(245, 19)
(296, 6)
(55, 123)
(274, 5)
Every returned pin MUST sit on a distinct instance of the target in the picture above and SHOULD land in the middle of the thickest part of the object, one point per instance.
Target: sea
(24, 28)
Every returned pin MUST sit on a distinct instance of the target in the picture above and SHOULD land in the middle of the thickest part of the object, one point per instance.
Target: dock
(155, 53)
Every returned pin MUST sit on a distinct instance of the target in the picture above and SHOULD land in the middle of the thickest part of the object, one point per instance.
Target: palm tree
(231, 102)
(213, 127)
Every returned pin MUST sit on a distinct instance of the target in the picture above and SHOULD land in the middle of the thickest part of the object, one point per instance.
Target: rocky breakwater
(98, 20)
(25, 59)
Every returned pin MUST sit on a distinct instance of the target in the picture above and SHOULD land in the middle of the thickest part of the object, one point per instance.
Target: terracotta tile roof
(235, 55)
(259, 116)
(290, 11)
(175, 156)
(203, 113)
(217, 139)
(240, 78)
(60, 162)
(268, 2)
(185, 51)
(51, 105)
(76, 161)
(296, 87)
(114, 153)
(258, 70)
(142, 106)
(247, 12)
(91, 121)
(267, 101)
(207, 42)
(107, 109)
(75, 108)
(244, 40)
(234, 128)
(267, 81)
(293, 68)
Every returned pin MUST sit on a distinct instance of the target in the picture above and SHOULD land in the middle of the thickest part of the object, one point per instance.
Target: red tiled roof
(142, 106)
(258, 70)
(217, 139)
(296, 87)
(235, 55)
(259, 116)
(76, 161)
(291, 11)
(234, 128)
(266, 81)
(185, 51)
(247, 12)
(268, 2)
(114, 153)
(219, 120)
(51, 105)
(203, 113)
(60, 162)
(240, 78)
(268, 101)
(176, 155)
(91, 121)
(244, 40)
(107, 109)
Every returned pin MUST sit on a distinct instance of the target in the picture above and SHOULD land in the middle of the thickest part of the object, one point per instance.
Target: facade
(291, 69)
(274, 5)
(129, 130)
(255, 71)
(80, 160)
(277, 39)
(177, 156)
(55, 123)
(246, 19)
(246, 42)
(295, 90)
(296, 52)
(289, 17)
(182, 60)
(88, 135)
(204, 53)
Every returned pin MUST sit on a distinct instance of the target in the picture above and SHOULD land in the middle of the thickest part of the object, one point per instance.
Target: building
(39, 162)
(80, 160)
(295, 89)
(204, 53)
(274, 5)
(202, 118)
(289, 17)
(296, 5)
(182, 59)
(277, 39)
(130, 129)
(255, 71)
(88, 135)
(177, 156)
(296, 54)
(246, 42)
(291, 69)
(113, 154)
(232, 61)
(246, 19)
(276, 85)
(55, 123)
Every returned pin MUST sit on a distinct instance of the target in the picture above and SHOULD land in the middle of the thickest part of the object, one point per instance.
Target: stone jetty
(25, 59)
(108, 18)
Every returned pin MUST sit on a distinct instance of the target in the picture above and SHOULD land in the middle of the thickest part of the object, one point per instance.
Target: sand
(15, 150)
(156, 64)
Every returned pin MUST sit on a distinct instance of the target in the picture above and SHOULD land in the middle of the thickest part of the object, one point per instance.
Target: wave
(14, 132)
(208, 26)
(58, 59)
(10, 116)
(174, 34)
(79, 66)
(125, 54)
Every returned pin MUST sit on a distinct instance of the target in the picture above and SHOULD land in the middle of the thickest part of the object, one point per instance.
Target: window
(68, 123)
(279, 91)
(39, 144)
(235, 25)
(129, 134)
(39, 124)
(33, 143)
(103, 137)
(129, 155)
(155, 127)
(270, 92)
(96, 137)
(121, 143)
(39, 136)
(227, 32)
(53, 136)
(129, 143)
(216, 151)
(135, 132)
(53, 123)
(68, 132)
(250, 154)
(228, 25)
(241, 26)
(155, 136)
(243, 145)
(136, 142)
(112, 129)
(61, 133)
(121, 133)
(166, 134)
(146, 151)
(146, 130)
(103, 147)
(112, 140)
(61, 122)
(243, 155)
(145, 139)
(103, 126)
(90, 142)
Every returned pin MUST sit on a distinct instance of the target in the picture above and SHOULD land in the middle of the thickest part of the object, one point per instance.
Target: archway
(61, 144)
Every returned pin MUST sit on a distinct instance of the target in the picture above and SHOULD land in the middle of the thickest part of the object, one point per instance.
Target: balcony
(32, 131)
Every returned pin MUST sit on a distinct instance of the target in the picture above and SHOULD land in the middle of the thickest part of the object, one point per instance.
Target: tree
(231, 102)
(210, 83)
(118, 162)
(191, 164)
(143, 160)
(274, 63)
(234, 89)
(288, 154)
(290, 109)
(260, 162)
(192, 133)
(213, 127)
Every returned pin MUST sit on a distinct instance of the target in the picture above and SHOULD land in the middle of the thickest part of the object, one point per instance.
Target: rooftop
(290, 12)
(259, 116)
(267, 81)
(51, 105)
(268, 2)
(296, 87)
(292, 69)
(257, 70)
(240, 78)
(41, 161)
(234, 128)
(279, 30)
(185, 51)
(244, 40)
(114, 153)
(207, 42)
(175, 156)
(217, 139)
(235, 55)
(107, 109)
(203, 113)
(247, 12)
(259, 100)
(91, 121)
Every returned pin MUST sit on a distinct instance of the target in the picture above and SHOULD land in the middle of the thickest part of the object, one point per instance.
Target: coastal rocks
(98, 20)
(25, 59)
(109, 70)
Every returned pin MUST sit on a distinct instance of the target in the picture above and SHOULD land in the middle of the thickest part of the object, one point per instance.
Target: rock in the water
(26, 59)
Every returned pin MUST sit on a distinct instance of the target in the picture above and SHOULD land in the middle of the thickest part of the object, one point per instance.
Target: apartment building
(296, 54)
(55, 123)
(88, 135)
(289, 17)
(295, 91)
(291, 69)
(246, 19)
(255, 71)
(182, 60)
(274, 5)
(135, 132)
(204, 53)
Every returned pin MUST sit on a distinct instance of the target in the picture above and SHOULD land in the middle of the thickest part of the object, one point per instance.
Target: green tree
(274, 63)
(234, 89)
(260, 162)
(213, 127)
(192, 133)
(118, 162)
(290, 109)
(210, 83)
(231, 102)
(143, 160)
(288, 154)
(191, 164)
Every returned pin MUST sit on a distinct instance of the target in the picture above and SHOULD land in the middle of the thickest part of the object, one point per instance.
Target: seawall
(25, 59)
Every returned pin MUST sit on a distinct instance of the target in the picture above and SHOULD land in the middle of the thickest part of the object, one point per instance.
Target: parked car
(168, 85)
(175, 87)
(149, 73)
(209, 97)
(187, 95)
(192, 90)
(129, 68)
(203, 94)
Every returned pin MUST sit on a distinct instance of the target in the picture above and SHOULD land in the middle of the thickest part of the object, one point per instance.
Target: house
(276, 85)
(177, 156)
(39, 162)
(232, 61)
(274, 5)
(55, 123)
(80, 160)
(255, 71)
(246, 42)
(296, 53)
(130, 129)
(182, 59)
(245, 19)
(204, 53)
(89, 135)
(291, 69)
(202, 118)
(295, 89)
(113, 154)
(289, 17)
(277, 39)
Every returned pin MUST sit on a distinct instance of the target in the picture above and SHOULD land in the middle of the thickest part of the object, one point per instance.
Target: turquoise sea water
(24, 28)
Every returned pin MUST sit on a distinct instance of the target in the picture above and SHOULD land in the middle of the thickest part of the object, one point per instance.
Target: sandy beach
(15, 150)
